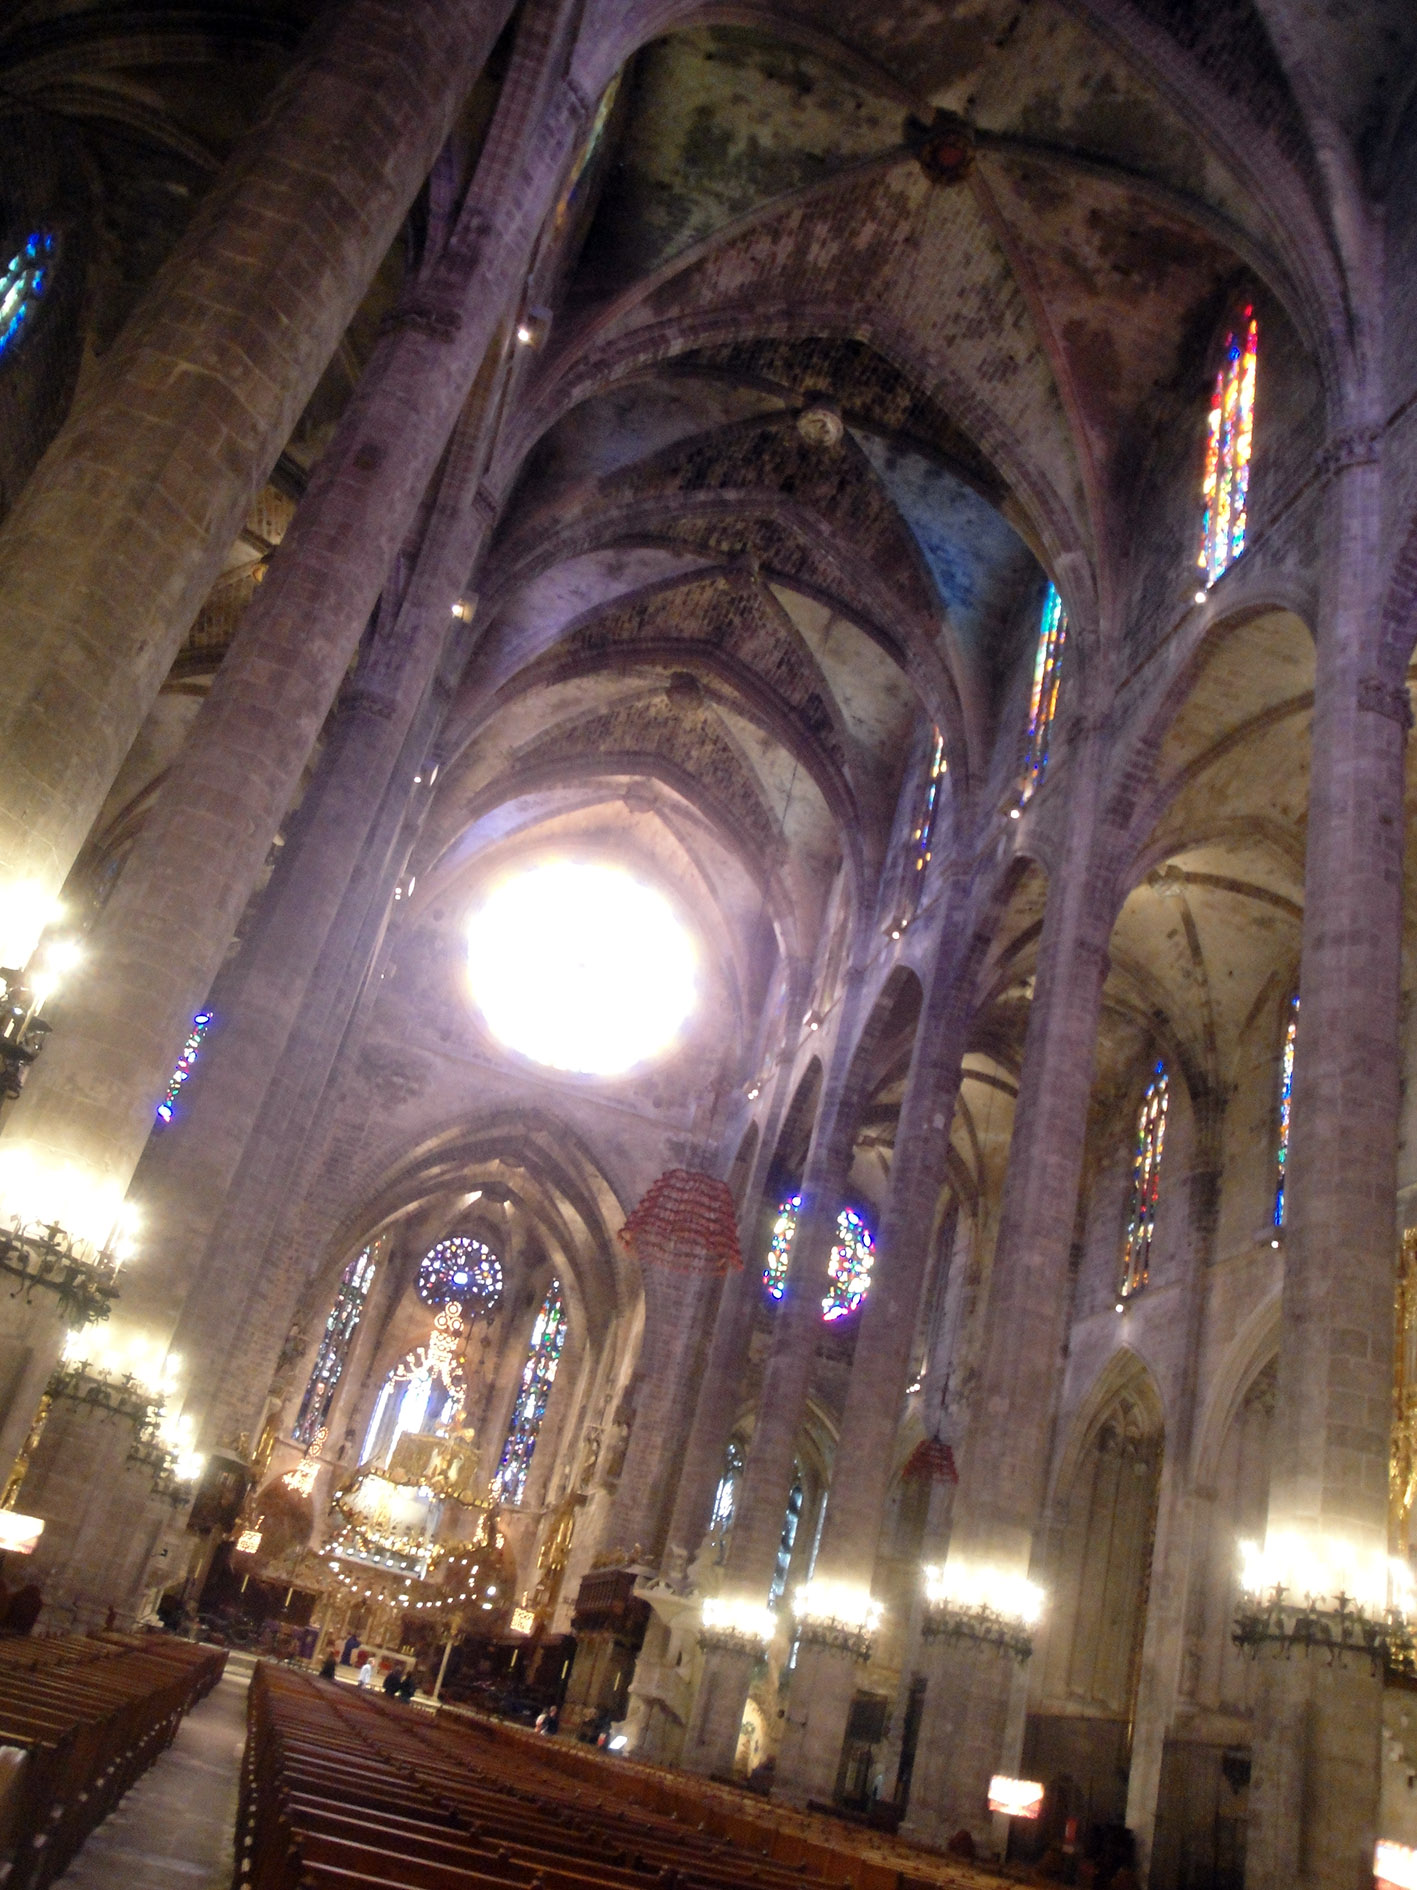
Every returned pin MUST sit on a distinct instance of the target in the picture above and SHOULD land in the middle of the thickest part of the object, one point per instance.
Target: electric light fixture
(839, 1615)
(1312, 1589)
(736, 1624)
(983, 1602)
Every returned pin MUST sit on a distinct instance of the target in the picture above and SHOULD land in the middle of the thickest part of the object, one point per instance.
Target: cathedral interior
(708, 968)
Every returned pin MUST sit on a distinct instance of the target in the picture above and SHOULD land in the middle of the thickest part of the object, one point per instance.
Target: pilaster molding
(422, 317)
(1355, 446)
(1378, 696)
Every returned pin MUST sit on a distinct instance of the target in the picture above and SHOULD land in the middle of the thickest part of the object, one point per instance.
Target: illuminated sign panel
(1015, 1797)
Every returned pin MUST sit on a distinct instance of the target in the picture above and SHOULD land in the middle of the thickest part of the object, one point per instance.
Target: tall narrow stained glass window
(1146, 1176)
(1043, 701)
(725, 1497)
(1286, 1093)
(849, 1269)
(186, 1063)
(548, 1337)
(340, 1328)
(22, 282)
(791, 1522)
(1225, 488)
(923, 834)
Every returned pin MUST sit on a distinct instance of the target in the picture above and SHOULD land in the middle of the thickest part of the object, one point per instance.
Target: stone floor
(173, 1830)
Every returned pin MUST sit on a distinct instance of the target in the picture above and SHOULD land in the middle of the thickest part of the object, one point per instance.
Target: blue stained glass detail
(1043, 701)
(463, 1269)
(548, 1337)
(186, 1063)
(340, 1329)
(849, 1269)
(1286, 1094)
(23, 281)
(1146, 1179)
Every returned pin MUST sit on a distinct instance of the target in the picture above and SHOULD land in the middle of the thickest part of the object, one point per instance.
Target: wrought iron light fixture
(39, 1255)
(837, 1615)
(989, 1606)
(736, 1626)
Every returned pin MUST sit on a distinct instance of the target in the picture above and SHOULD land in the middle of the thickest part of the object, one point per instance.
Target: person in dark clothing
(24, 1609)
(391, 1681)
(408, 1686)
(327, 1667)
(351, 1648)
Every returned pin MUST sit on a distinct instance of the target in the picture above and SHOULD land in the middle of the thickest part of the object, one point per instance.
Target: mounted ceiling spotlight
(533, 327)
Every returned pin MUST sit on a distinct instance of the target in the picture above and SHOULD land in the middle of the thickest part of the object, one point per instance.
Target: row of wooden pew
(81, 1717)
(340, 1792)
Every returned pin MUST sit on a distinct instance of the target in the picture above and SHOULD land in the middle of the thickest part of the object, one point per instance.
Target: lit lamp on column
(838, 1615)
(67, 1257)
(24, 992)
(1311, 1591)
(973, 1601)
(736, 1625)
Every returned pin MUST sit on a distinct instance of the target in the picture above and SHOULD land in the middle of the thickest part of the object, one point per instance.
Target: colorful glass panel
(463, 1269)
(1225, 488)
(1146, 1176)
(1286, 1094)
(924, 831)
(548, 1336)
(23, 282)
(1043, 702)
(780, 1246)
(186, 1063)
(340, 1328)
(850, 1266)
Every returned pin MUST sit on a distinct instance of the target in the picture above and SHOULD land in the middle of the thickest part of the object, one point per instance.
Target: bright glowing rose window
(582, 967)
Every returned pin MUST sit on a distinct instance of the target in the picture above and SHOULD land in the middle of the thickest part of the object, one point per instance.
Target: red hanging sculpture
(687, 1223)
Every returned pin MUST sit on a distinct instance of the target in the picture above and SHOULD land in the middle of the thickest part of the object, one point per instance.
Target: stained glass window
(1286, 1093)
(922, 836)
(548, 1336)
(849, 1267)
(1146, 1175)
(725, 1497)
(780, 1246)
(340, 1328)
(786, 1544)
(1226, 486)
(1043, 702)
(463, 1269)
(924, 833)
(186, 1063)
(23, 282)
(424, 1392)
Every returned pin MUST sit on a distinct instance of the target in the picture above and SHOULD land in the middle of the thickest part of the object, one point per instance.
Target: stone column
(717, 1713)
(1164, 1630)
(161, 937)
(1003, 1461)
(826, 1675)
(1314, 1796)
(721, 1386)
(122, 528)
